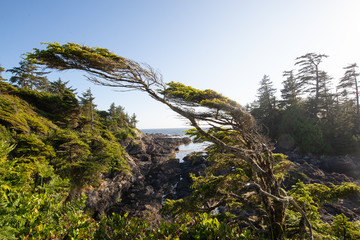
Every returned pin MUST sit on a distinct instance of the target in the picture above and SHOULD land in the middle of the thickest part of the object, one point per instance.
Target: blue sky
(225, 45)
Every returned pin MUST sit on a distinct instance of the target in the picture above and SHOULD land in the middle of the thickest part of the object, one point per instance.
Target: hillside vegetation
(54, 146)
(50, 151)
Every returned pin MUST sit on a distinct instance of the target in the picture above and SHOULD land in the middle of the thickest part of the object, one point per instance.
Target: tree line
(29, 76)
(245, 175)
(311, 114)
(53, 146)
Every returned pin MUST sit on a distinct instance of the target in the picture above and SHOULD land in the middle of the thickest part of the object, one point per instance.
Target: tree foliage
(28, 76)
(291, 91)
(1, 71)
(197, 106)
(74, 154)
(238, 197)
(348, 86)
(310, 116)
(314, 80)
(88, 106)
(265, 111)
(60, 87)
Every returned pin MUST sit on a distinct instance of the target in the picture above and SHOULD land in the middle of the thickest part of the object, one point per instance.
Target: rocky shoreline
(157, 175)
(154, 173)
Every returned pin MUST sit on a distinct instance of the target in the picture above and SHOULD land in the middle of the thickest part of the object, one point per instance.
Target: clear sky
(223, 45)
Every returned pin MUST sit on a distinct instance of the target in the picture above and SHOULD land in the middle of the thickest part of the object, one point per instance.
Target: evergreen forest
(55, 147)
(311, 114)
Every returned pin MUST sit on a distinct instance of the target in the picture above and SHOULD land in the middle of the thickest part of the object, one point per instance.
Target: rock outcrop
(154, 173)
(326, 170)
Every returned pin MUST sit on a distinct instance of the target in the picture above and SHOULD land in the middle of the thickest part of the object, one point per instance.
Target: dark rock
(331, 209)
(107, 193)
(347, 165)
(155, 175)
(326, 170)
(144, 157)
(194, 164)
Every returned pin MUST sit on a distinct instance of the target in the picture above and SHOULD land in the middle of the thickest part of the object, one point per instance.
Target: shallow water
(184, 150)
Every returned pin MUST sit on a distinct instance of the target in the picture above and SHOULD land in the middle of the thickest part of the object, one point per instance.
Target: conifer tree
(265, 110)
(60, 87)
(1, 70)
(233, 130)
(314, 80)
(120, 112)
(1, 78)
(348, 86)
(291, 89)
(28, 76)
(266, 97)
(112, 110)
(133, 120)
(87, 103)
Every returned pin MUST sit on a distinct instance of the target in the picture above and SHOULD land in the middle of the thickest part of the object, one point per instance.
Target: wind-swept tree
(314, 80)
(224, 115)
(28, 76)
(348, 86)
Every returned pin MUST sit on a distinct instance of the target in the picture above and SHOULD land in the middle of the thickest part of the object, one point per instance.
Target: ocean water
(166, 131)
(185, 149)
(192, 147)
